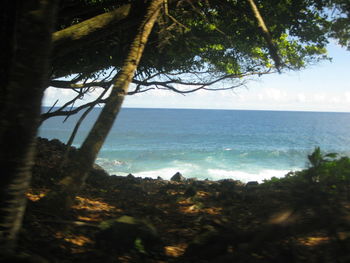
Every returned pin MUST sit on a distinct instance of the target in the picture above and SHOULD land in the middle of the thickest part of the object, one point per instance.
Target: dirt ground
(189, 221)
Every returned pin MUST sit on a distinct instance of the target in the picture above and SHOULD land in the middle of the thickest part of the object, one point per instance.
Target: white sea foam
(189, 170)
(185, 165)
(108, 162)
(165, 173)
(217, 174)
(212, 174)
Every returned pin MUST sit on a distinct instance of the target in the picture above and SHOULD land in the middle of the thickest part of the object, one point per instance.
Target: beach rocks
(98, 176)
(190, 191)
(128, 233)
(130, 176)
(178, 177)
(192, 179)
(251, 184)
(97, 169)
(207, 245)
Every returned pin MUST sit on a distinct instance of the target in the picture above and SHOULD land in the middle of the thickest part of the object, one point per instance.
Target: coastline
(180, 220)
(54, 149)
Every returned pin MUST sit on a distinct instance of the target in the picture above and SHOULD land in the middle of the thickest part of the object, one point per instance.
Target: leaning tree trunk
(26, 28)
(79, 167)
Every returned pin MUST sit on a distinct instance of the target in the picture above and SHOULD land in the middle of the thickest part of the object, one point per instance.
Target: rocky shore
(130, 219)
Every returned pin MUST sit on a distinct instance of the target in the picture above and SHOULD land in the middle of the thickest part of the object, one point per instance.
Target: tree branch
(266, 34)
(62, 112)
(76, 35)
(69, 84)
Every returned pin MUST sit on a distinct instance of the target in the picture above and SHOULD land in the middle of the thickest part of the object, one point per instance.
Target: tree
(193, 45)
(253, 52)
(26, 34)
(84, 160)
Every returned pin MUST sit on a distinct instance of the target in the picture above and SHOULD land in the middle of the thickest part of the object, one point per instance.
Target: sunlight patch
(176, 250)
(35, 196)
(92, 205)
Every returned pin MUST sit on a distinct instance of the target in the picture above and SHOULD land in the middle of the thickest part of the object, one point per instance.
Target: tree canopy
(215, 36)
(182, 45)
(194, 44)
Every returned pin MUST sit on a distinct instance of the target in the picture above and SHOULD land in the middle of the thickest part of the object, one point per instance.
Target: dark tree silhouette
(26, 30)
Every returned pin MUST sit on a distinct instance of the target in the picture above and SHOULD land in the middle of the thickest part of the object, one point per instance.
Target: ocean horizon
(246, 145)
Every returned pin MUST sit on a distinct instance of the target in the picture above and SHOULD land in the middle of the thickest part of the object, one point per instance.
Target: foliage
(220, 36)
(340, 26)
(194, 44)
(326, 171)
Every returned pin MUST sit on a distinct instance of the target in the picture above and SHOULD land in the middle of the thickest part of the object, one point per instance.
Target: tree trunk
(71, 38)
(79, 167)
(26, 31)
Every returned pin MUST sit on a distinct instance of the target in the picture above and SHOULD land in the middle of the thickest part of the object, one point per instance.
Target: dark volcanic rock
(190, 191)
(128, 233)
(207, 245)
(252, 184)
(178, 177)
(98, 171)
(47, 167)
(192, 179)
(130, 176)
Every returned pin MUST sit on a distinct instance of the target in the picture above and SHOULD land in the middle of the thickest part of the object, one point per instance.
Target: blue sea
(213, 144)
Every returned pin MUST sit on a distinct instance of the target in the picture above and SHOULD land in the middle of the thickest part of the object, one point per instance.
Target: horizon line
(223, 109)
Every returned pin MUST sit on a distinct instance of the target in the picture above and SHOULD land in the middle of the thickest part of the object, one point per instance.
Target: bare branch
(53, 106)
(66, 84)
(266, 34)
(199, 84)
(179, 82)
(166, 11)
(62, 112)
(76, 128)
(139, 91)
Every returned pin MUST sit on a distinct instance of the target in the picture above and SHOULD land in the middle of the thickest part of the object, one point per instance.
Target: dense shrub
(326, 171)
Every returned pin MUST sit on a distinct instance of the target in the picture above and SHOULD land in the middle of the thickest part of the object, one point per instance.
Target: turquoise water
(214, 144)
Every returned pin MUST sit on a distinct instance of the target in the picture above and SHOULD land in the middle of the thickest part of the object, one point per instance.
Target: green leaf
(139, 246)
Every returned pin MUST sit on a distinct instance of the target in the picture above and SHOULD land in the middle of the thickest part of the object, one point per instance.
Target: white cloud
(301, 98)
(275, 94)
(347, 96)
(323, 87)
(335, 99)
(320, 97)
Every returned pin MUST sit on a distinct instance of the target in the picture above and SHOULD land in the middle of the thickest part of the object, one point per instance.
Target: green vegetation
(291, 219)
(327, 171)
(182, 46)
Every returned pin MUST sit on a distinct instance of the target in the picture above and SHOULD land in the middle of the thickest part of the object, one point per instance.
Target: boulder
(178, 177)
(251, 185)
(98, 177)
(128, 233)
(208, 244)
(192, 179)
(130, 176)
(97, 170)
(190, 191)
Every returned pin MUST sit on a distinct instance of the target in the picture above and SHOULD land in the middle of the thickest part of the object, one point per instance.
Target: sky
(321, 87)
